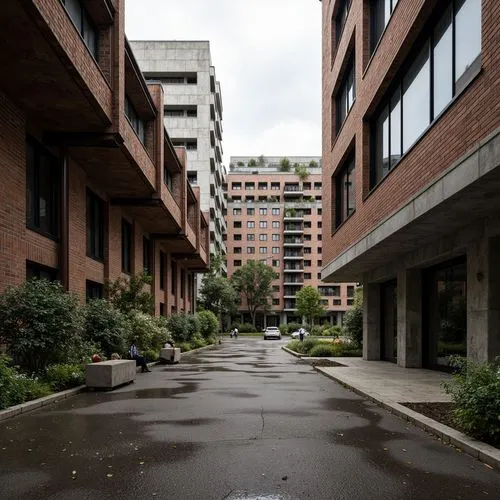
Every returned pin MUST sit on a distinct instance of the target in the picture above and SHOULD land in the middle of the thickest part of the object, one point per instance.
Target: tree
(313, 164)
(262, 160)
(353, 320)
(285, 165)
(254, 282)
(127, 294)
(252, 162)
(309, 304)
(301, 171)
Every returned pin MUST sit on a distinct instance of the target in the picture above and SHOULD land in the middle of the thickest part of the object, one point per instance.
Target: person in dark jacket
(139, 360)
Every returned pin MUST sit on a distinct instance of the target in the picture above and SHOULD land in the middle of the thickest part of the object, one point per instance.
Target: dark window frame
(341, 113)
(341, 19)
(34, 173)
(163, 261)
(86, 23)
(375, 39)
(147, 255)
(458, 87)
(136, 122)
(93, 290)
(96, 220)
(36, 270)
(342, 198)
(127, 239)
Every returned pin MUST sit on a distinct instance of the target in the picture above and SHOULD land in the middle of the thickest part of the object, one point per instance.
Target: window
(250, 186)
(320, 237)
(275, 186)
(250, 198)
(329, 291)
(263, 250)
(306, 186)
(263, 185)
(262, 211)
(307, 263)
(237, 237)
(345, 198)
(136, 123)
(381, 11)
(189, 144)
(275, 262)
(350, 302)
(275, 211)
(192, 178)
(126, 246)
(307, 276)
(168, 179)
(147, 256)
(435, 75)
(276, 250)
(237, 263)
(276, 224)
(337, 302)
(346, 94)
(181, 111)
(93, 290)
(180, 79)
(162, 309)
(276, 302)
(250, 249)
(236, 186)
(163, 260)
(183, 282)
(307, 250)
(263, 224)
(173, 272)
(237, 224)
(276, 288)
(42, 190)
(34, 270)
(319, 276)
(317, 186)
(320, 263)
(350, 291)
(250, 224)
(237, 249)
(262, 237)
(236, 211)
(307, 224)
(341, 18)
(250, 237)
(276, 237)
(83, 23)
(319, 225)
(320, 250)
(250, 211)
(95, 226)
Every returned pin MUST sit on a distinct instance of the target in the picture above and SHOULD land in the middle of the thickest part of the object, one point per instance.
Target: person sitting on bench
(139, 360)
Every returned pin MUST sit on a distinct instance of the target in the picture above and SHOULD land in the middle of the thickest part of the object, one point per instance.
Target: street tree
(254, 282)
(353, 319)
(309, 304)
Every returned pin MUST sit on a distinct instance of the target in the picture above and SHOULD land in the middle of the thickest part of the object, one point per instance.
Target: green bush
(475, 390)
(150, 333)
(353, 320)
(107, 327)
(316, 330)
(309, 343)
(183, 327)
(296, 346)
(40, 323)
(247, 328)
(209, 324)
(283, 329)
(323, 350)
(150, 355)
(197, 341)
(128, 294)
(16, 388)
(184, 346)
(64, 376)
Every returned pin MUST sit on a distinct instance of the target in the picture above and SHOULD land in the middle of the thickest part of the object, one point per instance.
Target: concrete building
(411, 148)
(92, 187)
(193, 118)
(276, 217)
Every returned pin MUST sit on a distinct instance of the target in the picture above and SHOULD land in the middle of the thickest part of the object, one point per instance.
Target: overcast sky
(267, 57)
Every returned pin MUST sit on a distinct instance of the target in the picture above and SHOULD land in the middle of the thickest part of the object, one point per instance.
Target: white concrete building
(193, 118)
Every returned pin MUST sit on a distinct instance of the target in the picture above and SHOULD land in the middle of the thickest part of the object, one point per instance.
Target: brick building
(411, 152)
(276, 217)
(92, 187)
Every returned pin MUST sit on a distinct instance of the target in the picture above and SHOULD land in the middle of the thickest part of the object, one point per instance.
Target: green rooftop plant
(301, 171)
(252, 162)
(285, 165)
(313, 164)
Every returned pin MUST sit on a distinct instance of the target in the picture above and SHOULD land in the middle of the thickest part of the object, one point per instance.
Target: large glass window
(381, 11)
(135, 121)
(428, 85)
(147, 256)
(345, 192)
(95, 226)
(341, 18)
(346, 95)
(42, 190)
(83, 23)
(93, 290)
(126, 246)
(35, 270)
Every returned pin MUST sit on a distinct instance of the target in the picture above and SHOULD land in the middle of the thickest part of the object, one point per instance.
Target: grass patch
(329, 348)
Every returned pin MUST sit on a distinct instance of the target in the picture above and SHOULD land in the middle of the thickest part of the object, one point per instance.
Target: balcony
(293, 229)
(293, 281)
(293, 242)
(293, 191)
(293, 256)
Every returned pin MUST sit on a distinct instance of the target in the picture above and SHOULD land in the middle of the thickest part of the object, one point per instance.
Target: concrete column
(483, 299)
(371, 321)
(409, 290)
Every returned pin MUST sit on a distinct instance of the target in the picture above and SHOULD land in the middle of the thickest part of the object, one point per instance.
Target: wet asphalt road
(242, 421)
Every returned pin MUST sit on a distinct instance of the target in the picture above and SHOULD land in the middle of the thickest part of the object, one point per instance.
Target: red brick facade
(56, 93)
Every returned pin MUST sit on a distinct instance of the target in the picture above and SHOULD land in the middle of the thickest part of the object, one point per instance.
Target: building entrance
(389, 319)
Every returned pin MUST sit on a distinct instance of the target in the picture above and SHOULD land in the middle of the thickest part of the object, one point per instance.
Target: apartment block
(193, 118)
(276, 217)
(411, 150)
(92, 187)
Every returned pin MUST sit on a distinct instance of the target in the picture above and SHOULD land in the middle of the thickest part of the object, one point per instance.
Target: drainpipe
(64, 224)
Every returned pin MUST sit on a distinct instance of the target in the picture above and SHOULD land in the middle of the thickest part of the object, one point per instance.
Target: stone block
(110, 374)
(170, 355)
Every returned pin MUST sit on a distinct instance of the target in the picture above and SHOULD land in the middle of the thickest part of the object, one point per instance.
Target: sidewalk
(389, 385)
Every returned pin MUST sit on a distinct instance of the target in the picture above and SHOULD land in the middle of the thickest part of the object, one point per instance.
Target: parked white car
(296, 334)
(272, 332)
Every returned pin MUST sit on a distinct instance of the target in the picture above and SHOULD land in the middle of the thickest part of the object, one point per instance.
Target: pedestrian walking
(301, 334)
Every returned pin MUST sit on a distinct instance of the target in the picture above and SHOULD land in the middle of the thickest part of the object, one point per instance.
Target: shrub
(16, 388)
(197, 341)
(475, 390)
(40, 323)
(316, 330)
(247, 328)
(296, 346)
(292, 327)
(107, 327)
(150, 333)
(128, 294)
(184, 346)
(151, 355)
(64, 376)
(209, 324)
(353, 320)
(183, 327)
(323, 350)
(283, 329)
(309, 344)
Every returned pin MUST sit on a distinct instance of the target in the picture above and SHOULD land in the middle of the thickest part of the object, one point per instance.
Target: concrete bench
(170, 355)
(110, 374)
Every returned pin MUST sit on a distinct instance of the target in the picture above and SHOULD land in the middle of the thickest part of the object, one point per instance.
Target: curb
(22, 408)
(193, 351)
(484, 452)
(293, 353)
